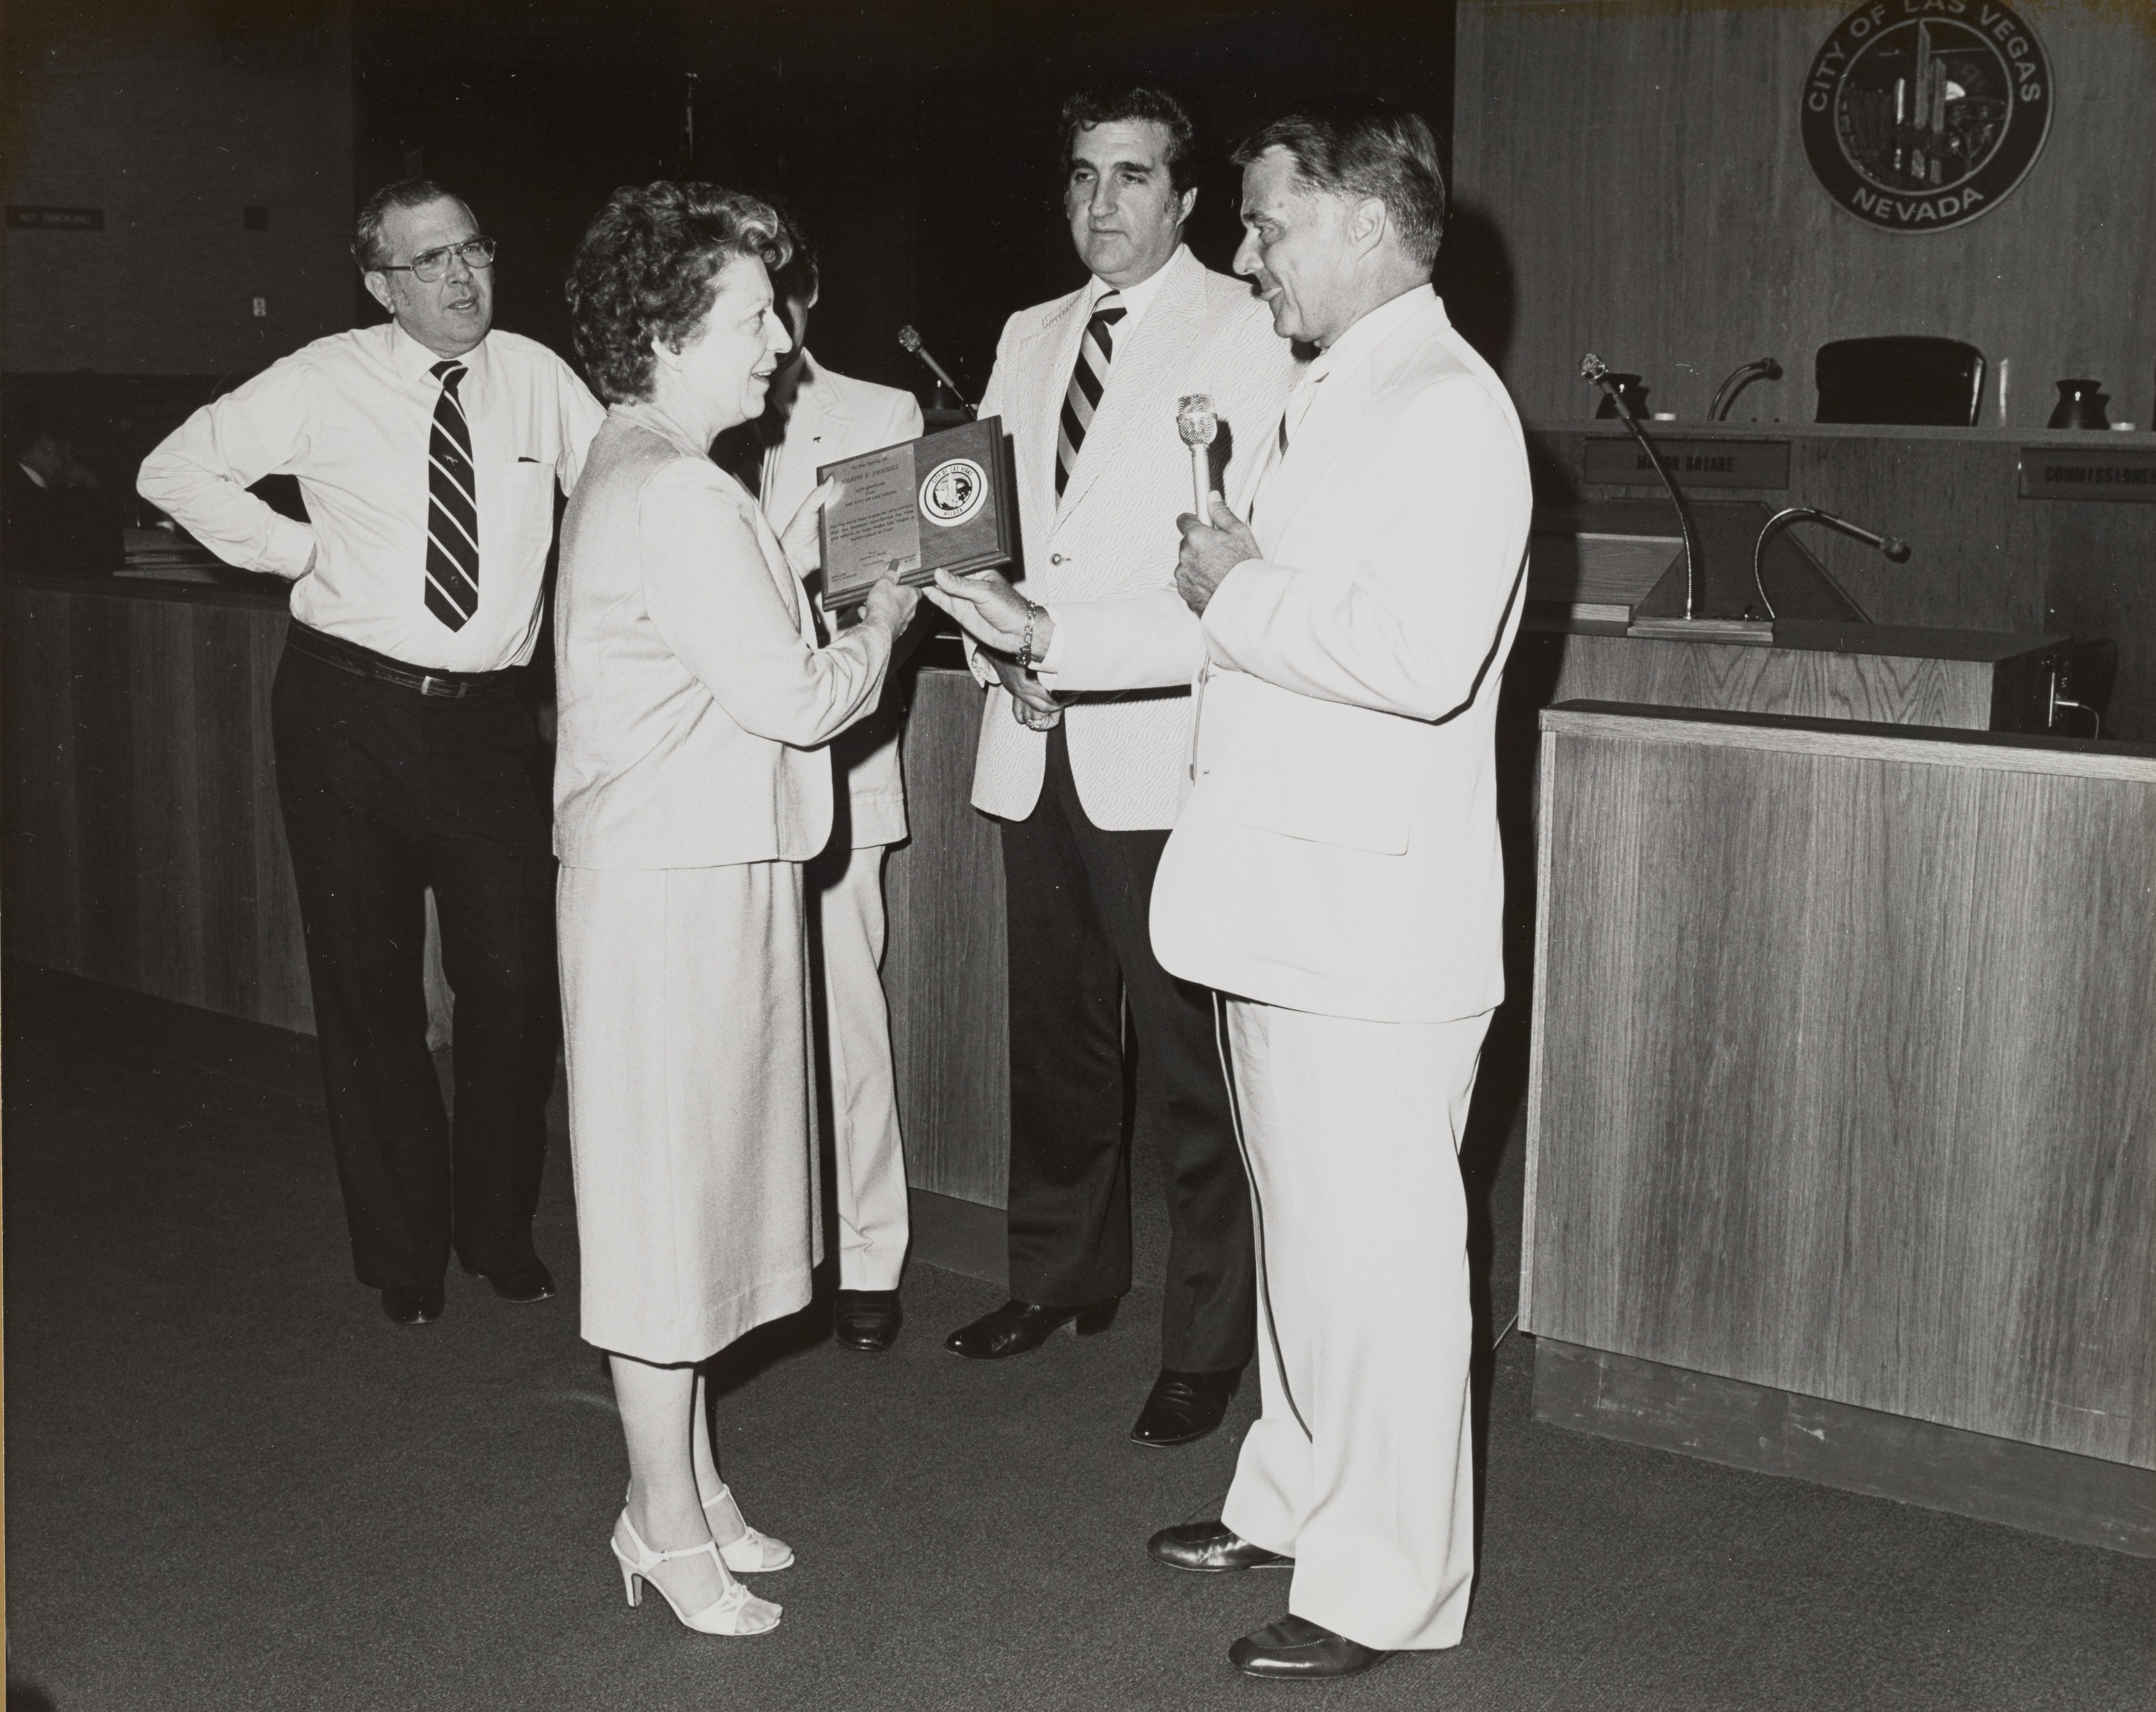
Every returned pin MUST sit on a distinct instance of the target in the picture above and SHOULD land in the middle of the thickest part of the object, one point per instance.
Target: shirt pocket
(516, 514)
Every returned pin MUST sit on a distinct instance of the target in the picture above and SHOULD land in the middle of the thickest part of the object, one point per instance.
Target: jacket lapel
(1336, 413)
(1137, 374)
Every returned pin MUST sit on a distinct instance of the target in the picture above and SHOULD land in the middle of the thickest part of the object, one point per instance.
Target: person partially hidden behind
(1087, 387)
(815, 417)
(428, 451)
(1334, 877)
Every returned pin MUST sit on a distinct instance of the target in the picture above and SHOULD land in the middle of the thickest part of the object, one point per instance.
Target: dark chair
(1930, 382)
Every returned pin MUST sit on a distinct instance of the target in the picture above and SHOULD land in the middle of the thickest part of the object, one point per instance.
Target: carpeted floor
(232, 1485)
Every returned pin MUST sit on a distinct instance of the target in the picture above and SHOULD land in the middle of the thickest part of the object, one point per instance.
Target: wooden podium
(1840, 1094)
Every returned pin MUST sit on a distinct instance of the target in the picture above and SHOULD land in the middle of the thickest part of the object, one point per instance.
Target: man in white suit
(1335, 874)
(814, 417)
(1087, 387)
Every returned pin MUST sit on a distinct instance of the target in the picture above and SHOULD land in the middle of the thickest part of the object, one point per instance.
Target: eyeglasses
(431, 266)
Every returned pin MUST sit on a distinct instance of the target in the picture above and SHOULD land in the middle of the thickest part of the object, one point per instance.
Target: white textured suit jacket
(1339, 851)
(832, 417)
(1112, 540)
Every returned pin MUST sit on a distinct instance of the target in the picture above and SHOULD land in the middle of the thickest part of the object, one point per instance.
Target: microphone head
(1592, 368)
(1895, 548)
(1196, 420)
(909, 339)
(1769, 369)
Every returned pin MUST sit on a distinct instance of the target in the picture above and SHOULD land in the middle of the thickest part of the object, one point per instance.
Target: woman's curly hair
(648, 268)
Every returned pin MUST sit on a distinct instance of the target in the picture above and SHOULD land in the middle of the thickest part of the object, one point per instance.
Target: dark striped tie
(1089, 375)
(452, 508)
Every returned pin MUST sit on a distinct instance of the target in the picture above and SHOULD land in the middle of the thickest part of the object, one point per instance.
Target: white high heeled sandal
(736, 1612)
(753, 1553)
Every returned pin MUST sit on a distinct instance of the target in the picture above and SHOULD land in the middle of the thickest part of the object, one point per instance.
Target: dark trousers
(386, 792)
(1076, 899)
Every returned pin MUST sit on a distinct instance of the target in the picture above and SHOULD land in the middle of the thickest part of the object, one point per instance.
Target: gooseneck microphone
(1893, 546)
(1594, 369)
(1765, 369)
(911, 341)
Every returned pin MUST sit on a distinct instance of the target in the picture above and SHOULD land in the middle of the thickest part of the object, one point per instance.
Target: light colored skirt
(685, 1000)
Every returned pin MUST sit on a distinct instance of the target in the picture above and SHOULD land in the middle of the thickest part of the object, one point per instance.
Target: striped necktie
(452, 507)
(1089, 375)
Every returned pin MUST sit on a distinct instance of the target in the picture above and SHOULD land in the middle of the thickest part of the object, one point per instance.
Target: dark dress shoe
(1016, 1327)
(1297, 1648)
(525, 1281)
(866, 1319)
(1211, 1548)
(1183, 1407)
(412, 1305)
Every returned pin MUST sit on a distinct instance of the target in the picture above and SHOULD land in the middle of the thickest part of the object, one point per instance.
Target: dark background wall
(172, 117)
(918, 139)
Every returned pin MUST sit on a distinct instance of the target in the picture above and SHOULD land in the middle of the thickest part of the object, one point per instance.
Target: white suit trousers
(869, 1166)
(1361, 1465)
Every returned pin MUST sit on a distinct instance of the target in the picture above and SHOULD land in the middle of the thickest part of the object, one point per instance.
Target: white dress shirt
(351, 416)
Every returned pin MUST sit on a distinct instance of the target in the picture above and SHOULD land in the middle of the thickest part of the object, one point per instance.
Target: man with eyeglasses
(428, 451)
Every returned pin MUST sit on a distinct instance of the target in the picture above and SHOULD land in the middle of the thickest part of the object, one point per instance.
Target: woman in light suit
(691, 784)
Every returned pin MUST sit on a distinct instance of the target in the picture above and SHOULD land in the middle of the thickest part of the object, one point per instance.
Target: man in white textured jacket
(1335, 876)
(1087, 386)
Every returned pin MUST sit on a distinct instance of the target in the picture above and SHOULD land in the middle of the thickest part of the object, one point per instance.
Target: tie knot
(1107, 311)
(449, 372)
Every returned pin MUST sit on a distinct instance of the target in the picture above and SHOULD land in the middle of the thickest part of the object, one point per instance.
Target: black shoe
(1016, 1327)
(1294, 1647)
(1183, 1407)
(1211, 1548)
(523, 1281)
(412, 1305)
(867, 1319)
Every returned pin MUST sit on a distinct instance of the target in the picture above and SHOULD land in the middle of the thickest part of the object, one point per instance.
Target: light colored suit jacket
(694, 705)
(832, 417)
(1112, 539)
(1339, 852)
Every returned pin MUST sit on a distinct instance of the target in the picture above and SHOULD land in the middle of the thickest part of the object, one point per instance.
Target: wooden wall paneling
(1896, 689)
(2060, 1014)
(102, 704)
(945, 972)
(1843, 1060)
(145, 848)
(1644, 172)
(42, 874)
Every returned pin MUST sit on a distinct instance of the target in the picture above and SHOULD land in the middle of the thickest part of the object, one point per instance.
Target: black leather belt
(366, 662)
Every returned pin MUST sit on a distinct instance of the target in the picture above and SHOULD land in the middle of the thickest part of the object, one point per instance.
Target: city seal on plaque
(953, 491)
(1921, 115)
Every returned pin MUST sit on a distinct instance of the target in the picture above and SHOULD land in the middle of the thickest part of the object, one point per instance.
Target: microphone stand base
(1753, 632)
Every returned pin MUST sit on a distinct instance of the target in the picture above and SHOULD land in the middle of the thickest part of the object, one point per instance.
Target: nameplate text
(1693, 463)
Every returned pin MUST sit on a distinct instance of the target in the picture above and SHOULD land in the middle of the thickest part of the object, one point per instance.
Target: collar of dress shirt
(415, 362)
(1368, 334)
(1136, 299)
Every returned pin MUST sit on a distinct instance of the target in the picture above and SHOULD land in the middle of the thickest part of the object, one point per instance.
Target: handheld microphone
(911, 341)
(1893, 546)
(1592, 368)
(1199, 424)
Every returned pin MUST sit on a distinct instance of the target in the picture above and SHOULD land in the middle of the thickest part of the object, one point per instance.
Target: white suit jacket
(1339, 852)
(694, 705)
(1112, 539)
(833, 417)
